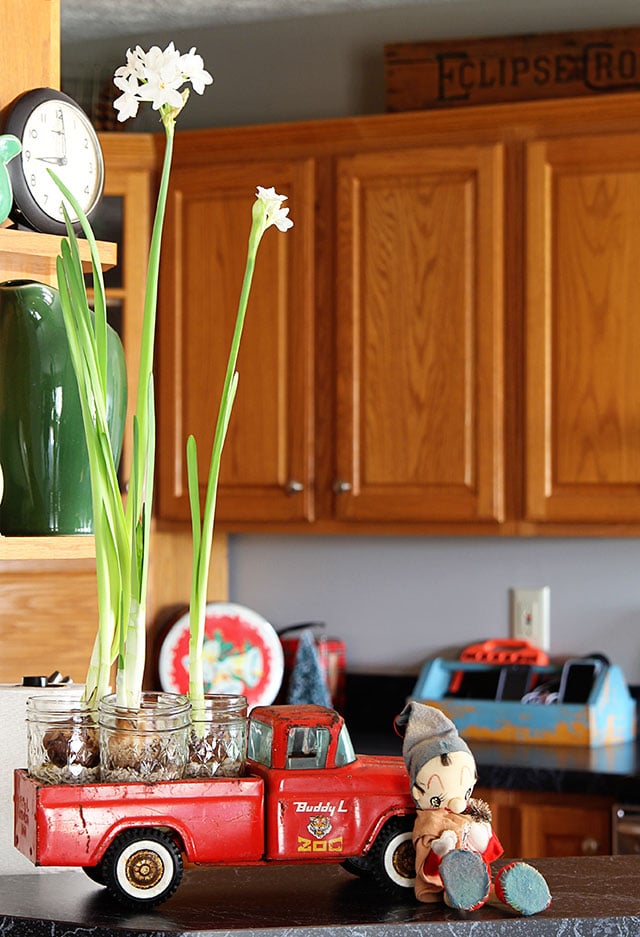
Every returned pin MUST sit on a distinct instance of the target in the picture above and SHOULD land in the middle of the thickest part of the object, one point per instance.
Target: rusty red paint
(283, 812)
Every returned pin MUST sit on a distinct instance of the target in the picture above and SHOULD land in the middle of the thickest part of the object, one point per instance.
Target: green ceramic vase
(43, 453)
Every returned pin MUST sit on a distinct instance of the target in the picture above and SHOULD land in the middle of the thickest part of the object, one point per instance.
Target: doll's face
(445, 781)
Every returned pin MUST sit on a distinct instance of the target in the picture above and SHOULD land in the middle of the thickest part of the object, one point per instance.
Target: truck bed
(74, 825)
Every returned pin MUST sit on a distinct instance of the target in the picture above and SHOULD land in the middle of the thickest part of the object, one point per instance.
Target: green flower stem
(150, 305)
(203, 534)
(139, 503)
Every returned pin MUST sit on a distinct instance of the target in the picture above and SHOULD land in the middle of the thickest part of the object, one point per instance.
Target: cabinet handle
(341, 487)
(293, 487)
(590, 846)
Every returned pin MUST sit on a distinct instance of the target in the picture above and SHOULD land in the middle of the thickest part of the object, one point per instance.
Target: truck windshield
(345, 753)
(259, 742)
(307, 747)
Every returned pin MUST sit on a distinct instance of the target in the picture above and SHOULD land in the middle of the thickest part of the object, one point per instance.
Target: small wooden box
(608, 717)
(454, 73)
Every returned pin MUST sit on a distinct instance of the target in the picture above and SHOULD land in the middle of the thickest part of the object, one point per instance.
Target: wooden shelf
(27, 255)
(61, 547)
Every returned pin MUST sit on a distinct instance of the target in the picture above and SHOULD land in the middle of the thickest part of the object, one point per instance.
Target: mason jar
(144, 744)
(62, 741)
(217, 737)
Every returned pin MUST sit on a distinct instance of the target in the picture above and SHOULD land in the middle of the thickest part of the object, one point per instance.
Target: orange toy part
(505, 651)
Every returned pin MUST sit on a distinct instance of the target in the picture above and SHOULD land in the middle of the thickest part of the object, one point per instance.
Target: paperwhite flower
(134, 66)
(192, 67)
(128, 102)
(271, 204)
(157, 76)
(159, 92)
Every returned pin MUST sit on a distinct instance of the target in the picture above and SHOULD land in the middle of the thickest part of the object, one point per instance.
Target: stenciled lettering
(597, 66)
(448, 76)
(304, 806)
(609, 70)
(332, 845)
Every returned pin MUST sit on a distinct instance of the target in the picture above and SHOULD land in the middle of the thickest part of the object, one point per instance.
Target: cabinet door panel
(583, 329)
(563, 831)
(269, 443)
(419, 301)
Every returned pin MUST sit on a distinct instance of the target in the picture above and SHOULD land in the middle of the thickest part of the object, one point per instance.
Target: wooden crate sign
(426, 75)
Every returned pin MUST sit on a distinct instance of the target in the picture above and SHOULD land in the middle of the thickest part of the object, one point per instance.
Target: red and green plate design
(242, 654)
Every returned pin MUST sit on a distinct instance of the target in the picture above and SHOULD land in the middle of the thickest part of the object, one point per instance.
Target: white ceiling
(97, 19)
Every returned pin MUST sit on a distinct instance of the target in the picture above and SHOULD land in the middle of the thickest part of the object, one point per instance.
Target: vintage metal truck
(306, 797)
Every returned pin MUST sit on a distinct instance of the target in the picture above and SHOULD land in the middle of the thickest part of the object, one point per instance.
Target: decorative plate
(242, 654)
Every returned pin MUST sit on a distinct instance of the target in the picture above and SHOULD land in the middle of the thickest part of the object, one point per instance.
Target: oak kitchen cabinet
(419, 326)
(411, 429)
(268, 464)
(582, 327)
(443, 343)
(532, 824)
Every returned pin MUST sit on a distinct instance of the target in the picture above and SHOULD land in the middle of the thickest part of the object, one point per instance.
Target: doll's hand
(444, 843)
(479, 836)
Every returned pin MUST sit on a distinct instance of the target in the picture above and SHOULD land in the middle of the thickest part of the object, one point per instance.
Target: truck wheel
(95, 873)
(393, 857)
(357, 865)
(142, 867)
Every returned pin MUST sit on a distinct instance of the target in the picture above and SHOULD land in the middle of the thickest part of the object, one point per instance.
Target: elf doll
(454, 841)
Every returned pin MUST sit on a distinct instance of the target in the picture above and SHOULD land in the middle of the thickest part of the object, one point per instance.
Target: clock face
(56, 135)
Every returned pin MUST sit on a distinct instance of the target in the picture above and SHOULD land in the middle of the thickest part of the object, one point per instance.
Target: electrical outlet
(530, 616)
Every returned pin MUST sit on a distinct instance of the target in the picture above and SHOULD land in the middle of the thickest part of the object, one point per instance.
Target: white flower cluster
(271, 205)
(157, 76)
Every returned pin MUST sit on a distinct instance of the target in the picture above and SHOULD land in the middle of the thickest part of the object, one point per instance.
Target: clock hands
(63, 137)
(55, 160)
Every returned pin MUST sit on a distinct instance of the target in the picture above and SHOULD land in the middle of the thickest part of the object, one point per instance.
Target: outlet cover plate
(530, 616)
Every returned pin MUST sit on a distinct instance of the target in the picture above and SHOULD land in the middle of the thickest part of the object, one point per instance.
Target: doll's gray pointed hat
(427, 733)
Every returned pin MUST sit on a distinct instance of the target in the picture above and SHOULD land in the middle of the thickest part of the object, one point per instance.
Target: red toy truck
(306, 797)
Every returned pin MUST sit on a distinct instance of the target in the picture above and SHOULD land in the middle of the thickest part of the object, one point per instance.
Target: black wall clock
(55, 134)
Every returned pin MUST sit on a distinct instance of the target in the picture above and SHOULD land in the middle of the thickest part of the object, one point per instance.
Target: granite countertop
(596, 896)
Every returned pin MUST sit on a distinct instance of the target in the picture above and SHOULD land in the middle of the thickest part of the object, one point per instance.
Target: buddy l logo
(303, 806)
(320, 826)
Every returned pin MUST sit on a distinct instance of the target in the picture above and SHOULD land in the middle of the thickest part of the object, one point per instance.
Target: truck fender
(180, 833)
(391, 861)
(381, 822)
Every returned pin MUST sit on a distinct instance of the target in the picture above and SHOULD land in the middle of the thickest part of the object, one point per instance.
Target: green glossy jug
(43, 453)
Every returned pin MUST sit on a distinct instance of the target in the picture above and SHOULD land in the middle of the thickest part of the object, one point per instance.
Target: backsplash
(397, 601)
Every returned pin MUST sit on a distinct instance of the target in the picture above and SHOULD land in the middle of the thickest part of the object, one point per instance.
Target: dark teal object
(10, 146)
(43, 453)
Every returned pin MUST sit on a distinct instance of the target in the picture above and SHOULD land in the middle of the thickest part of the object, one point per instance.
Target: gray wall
(330, 65)
(396, 600)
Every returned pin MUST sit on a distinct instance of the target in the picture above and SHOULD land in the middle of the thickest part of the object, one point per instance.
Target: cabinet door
(267, 461)
(420, 335)
(533, 824)
(583, 329)
(564, 831)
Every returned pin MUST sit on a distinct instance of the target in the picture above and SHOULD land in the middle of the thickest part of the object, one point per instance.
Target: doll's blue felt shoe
(522, 888)
(466, 880)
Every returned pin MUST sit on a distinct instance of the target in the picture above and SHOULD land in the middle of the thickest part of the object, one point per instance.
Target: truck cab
(321, 799)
